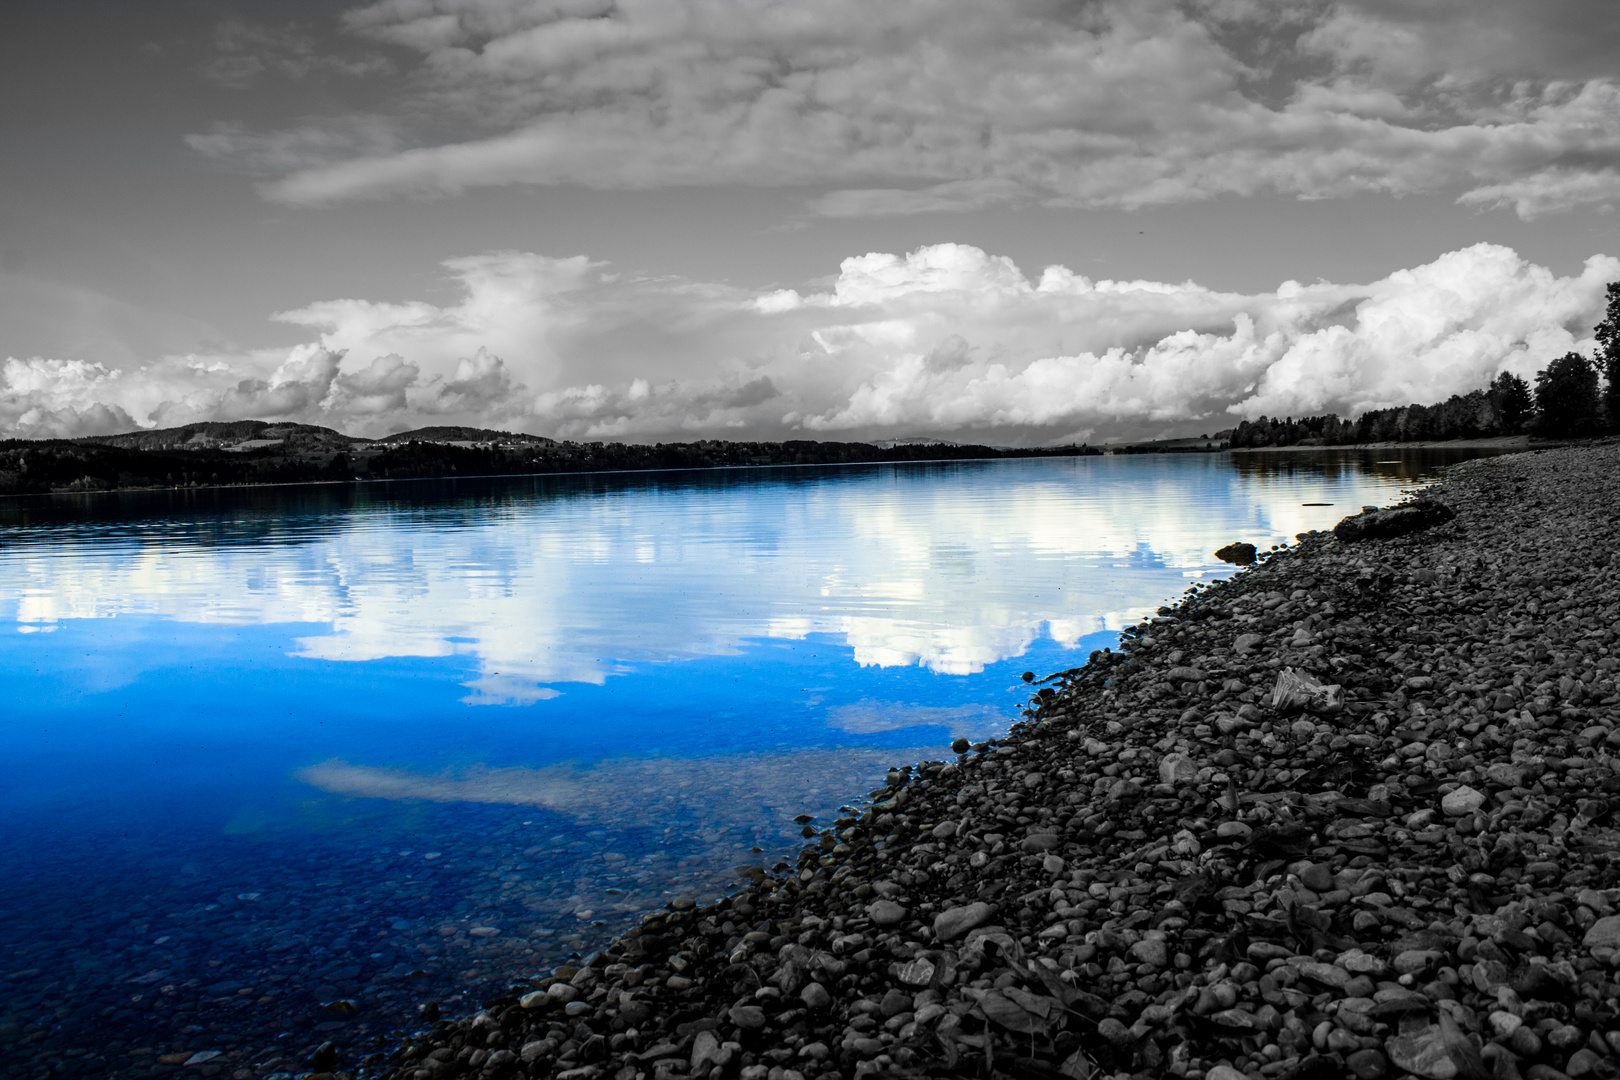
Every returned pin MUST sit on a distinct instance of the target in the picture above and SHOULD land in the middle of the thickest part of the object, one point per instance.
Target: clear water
(266, 752)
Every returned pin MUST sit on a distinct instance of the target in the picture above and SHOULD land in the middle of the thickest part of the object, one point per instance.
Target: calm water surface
(267, 753)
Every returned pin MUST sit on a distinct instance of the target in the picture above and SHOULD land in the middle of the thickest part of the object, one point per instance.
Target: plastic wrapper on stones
(1297, 692)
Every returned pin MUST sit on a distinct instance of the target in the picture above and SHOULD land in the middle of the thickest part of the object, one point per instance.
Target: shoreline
(1157, 874)
(1506, 444)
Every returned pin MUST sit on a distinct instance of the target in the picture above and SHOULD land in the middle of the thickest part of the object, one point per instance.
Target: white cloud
(43, 398)
(945, 341)
(531, 601)
(951, 105)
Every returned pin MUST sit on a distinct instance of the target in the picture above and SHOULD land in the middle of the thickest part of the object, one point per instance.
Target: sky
(977, 220)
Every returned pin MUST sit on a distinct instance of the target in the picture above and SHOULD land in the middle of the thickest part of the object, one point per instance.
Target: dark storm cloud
(960, 104)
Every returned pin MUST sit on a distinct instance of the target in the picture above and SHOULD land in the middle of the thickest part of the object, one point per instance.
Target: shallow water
(279, 765)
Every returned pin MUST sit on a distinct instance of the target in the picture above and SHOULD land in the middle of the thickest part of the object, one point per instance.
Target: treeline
(29, 467)
(1573, 397)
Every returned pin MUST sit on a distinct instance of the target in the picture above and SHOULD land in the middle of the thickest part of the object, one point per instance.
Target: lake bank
(1505, 444)
(1157, 874)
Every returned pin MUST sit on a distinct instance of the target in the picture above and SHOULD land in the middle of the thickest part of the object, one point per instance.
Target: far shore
(1504, 443)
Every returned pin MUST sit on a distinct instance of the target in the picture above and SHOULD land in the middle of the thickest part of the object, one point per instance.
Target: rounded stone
(1605, 933)
(885, 913)
(747, 1017)
(1317, 877)
(1367, 1064)
(1465, 800)
(815, 996)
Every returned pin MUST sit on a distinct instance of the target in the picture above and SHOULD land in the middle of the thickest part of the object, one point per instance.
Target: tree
(1513, 401)
(1567, 403)
(1608, 357)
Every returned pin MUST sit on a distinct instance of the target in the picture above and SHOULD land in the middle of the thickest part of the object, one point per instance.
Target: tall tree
(1567, 403)
(1513, 401)
(1607, 333)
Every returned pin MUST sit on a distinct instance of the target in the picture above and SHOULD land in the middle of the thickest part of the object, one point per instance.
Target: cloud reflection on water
(757, 793)
(950, 568)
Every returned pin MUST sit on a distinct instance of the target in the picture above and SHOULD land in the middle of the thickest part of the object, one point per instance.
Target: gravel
(1168, 869)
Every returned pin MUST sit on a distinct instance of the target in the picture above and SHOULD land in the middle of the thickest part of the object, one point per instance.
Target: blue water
(263, 751)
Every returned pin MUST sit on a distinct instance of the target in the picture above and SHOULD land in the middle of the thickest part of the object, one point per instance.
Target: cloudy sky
(970, 219)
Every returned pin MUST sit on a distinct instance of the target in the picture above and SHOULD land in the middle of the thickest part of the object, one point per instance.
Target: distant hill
(224, 435)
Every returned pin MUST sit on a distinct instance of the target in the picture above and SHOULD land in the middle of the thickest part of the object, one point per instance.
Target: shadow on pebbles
(1159, 872)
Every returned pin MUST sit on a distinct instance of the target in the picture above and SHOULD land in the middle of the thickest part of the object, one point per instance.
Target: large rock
(1238, 553)
(1380, 524)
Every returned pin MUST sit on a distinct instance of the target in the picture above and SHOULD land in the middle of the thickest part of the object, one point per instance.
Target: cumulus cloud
(45, 398)
(945, 341)
(904, 108)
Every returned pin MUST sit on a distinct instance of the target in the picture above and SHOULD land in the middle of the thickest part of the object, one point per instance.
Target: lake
(282, 765)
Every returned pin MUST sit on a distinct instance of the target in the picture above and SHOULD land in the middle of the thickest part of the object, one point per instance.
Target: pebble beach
(1167, 868)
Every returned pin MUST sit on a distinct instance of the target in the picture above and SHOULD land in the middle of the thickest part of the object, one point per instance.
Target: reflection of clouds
(760, 792)
(952, 568)
(868, 717)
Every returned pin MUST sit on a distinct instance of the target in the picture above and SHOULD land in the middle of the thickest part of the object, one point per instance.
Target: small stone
(1525, 1042)
(1224, 1072)
(1317, 877)
(1233, 830)
(1040, 842)
(747, 1017)
(1422, 1053)
(1149, 951)
(960, 746)
(1583, 1062)
(815, 996)
(944, 830)
(1360, 963)
(1247, 643)
(1054, 865)
(1177, 769)
(1465, 800)
(1505, 1023)
(584, 1008)
(705, 1051)
(1603, 934)
(1114, 1031)
(536, 1000)
(1367, 1064)
(1326, 974)
(894, 1003)
(1412, 961)
(885, 913)
(917, 972)
(954, 922)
